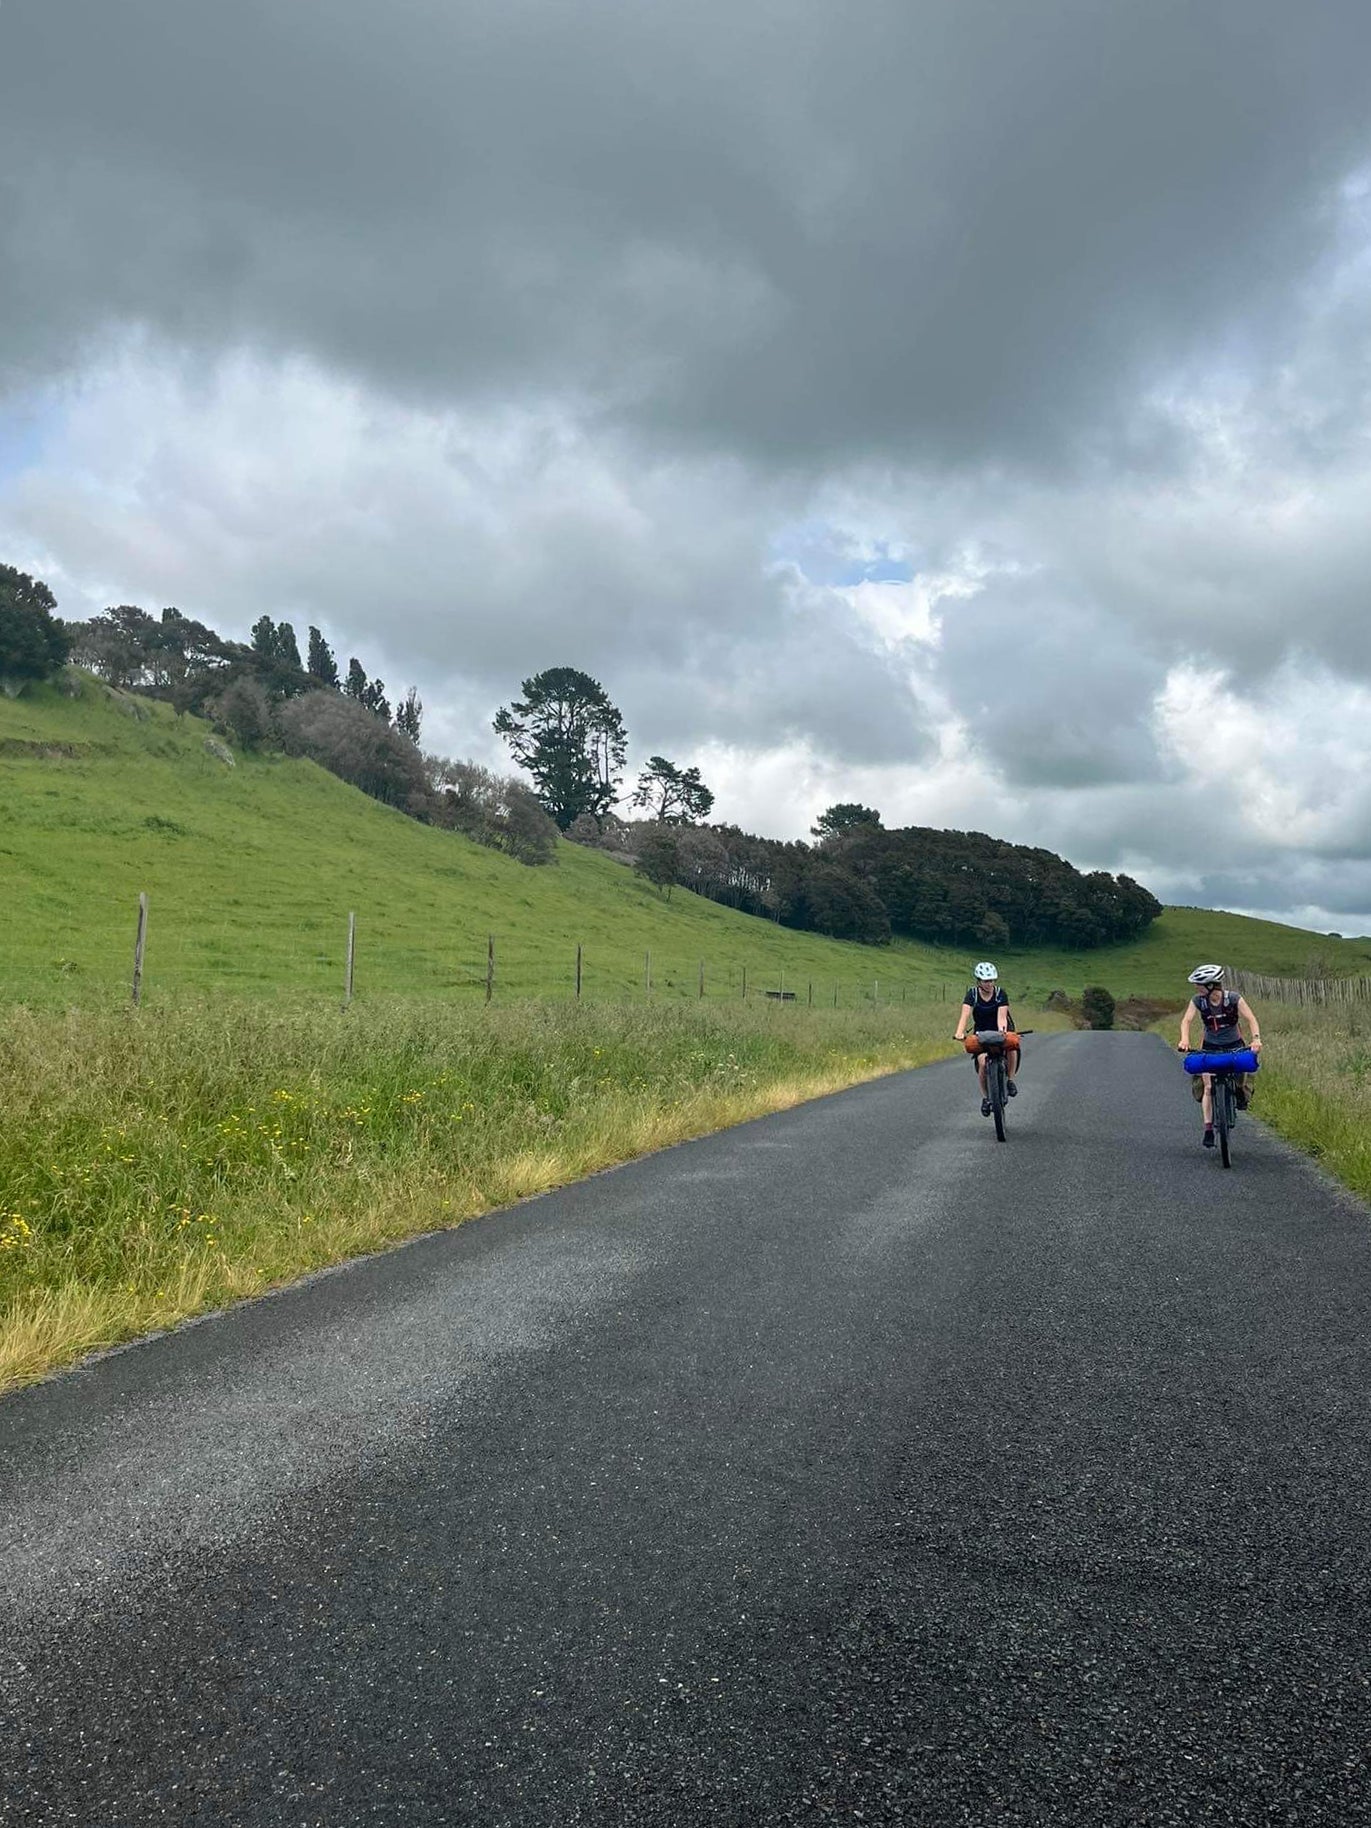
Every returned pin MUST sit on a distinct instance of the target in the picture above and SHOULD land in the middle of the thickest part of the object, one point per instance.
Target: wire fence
(1303, 992)
(339, 956)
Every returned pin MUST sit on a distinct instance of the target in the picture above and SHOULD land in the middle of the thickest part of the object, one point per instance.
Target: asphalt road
(845, 1467)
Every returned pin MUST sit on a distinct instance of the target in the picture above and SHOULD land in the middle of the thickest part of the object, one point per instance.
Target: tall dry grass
(156, 1165)
(1315, 1085)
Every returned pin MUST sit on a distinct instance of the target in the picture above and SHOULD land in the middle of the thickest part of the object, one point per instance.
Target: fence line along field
(490, 970)
(1313, 993)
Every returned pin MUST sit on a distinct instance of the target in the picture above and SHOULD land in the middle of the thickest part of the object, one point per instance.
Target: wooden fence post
(647, 971)
(578, 973)
(702, 977)
(490, 966)
(138, 946)
(352, 953)
(744, 983)
(811, 993)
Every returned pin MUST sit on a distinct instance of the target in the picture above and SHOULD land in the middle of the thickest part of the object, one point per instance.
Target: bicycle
(1224, 1089)
(992, 1043)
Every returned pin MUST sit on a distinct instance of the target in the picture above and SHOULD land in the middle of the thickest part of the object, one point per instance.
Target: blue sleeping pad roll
(1238, 1060)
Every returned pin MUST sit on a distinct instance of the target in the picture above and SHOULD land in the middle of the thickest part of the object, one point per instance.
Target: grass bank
(157, 1165)
(1315, 1086)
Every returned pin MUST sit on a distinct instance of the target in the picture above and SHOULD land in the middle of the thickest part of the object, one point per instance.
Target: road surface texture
(845, 1467)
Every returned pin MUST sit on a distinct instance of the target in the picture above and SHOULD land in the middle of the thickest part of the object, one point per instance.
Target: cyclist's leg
(1208, 1104)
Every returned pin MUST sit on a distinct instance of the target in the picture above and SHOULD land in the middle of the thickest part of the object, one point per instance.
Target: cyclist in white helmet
(1222, 1012)
(985, 1005)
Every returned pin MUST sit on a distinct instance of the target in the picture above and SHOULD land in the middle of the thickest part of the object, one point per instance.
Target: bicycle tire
(1223, 1117)
(996, 1080)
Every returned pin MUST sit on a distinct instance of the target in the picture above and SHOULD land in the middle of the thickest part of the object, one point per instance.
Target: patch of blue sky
(25, 427)
(830, 556)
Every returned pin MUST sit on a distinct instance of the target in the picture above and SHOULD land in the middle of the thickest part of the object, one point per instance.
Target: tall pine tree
(411, 711)
(321, 664)
(571, 739)
(287, 648)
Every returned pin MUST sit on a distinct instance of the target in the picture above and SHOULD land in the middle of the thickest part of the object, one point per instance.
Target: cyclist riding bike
(985, 1006)
(1223, 1012)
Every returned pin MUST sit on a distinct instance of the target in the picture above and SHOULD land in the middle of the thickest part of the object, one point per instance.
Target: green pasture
(253, 869)
(1158, 964)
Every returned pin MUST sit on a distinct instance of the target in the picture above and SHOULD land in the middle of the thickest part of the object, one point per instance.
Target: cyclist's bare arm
(1183, 1045)
(1253, 1030)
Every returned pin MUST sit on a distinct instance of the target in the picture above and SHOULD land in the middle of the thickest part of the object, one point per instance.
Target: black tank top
(1220, 1020)
(986, 1010)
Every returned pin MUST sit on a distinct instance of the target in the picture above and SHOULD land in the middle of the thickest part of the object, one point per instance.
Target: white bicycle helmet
(1207, 974)
(986, 972)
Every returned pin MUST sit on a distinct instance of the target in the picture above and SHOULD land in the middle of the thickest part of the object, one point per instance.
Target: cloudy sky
(963, 406)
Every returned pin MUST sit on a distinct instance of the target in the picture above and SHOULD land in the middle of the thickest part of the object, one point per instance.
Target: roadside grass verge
(160, 1164)
(1314, 1087)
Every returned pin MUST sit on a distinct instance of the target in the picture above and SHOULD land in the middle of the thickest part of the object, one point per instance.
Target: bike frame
(997, 1076)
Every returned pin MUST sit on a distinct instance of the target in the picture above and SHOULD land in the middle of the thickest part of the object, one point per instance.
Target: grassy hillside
(1158, 963)
(252, 870)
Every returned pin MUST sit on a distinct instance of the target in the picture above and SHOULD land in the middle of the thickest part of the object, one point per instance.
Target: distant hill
(253, 868)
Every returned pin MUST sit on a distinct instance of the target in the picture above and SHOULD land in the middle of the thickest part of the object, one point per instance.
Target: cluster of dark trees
(191, 666)
(859, 881)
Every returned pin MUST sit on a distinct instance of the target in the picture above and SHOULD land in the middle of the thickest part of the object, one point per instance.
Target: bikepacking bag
(1233, 1060)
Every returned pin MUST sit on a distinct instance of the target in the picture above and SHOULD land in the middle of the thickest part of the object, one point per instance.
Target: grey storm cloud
(1056, 694)
(960, 227)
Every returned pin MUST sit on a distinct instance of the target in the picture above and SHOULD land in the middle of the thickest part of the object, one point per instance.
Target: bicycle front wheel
(995, 1078)
(1223, 1119)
